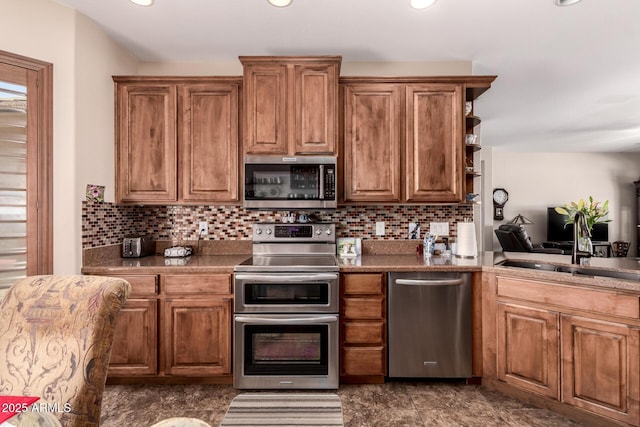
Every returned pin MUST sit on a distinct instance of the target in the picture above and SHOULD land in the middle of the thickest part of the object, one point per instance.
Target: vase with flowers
(594, 213)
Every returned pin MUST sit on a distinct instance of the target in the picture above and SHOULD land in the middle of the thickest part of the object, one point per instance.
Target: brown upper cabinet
(290, 104)
(177, 139)
(372, 135)
(403, 138)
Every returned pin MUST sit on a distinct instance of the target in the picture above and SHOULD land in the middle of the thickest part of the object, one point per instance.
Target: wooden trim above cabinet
(313, 59)
(178, 79)
(474, 85)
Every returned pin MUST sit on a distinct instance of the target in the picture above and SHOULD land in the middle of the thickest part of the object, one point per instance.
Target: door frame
(39, 161)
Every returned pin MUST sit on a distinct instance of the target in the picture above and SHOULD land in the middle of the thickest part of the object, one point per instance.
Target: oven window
(282, 294)
(286, 350)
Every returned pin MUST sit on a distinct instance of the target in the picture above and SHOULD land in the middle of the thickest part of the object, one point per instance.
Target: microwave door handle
(321, 186)
(287, 321)
(286, 279)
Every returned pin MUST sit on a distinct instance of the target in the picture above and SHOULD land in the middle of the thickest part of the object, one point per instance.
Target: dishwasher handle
(429, 282)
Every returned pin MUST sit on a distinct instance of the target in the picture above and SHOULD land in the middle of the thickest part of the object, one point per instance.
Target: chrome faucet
(580, 232)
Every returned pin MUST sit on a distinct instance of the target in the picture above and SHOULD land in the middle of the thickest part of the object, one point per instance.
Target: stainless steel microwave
(290, 182)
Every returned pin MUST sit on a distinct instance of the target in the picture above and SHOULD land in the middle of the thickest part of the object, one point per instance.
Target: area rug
(284, 409)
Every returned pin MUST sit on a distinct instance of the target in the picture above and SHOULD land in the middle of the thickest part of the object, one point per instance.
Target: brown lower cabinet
(196, 325)
(569, 347)
(135, 342)
(528, 354)
(363, 328)
(174, 326)
(600, 367)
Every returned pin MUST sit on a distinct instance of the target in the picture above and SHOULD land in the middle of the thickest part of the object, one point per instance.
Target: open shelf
(472, 121)
(474, 147)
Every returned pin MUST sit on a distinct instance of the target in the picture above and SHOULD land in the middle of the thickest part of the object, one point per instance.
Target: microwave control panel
(330, 183)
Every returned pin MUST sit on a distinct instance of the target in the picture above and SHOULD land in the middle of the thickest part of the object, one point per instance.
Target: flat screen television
(557, 232)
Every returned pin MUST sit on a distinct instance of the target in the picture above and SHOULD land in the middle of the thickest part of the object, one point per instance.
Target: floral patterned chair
(56, 334)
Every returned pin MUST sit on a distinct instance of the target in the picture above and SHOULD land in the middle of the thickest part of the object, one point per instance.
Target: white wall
(536, 181)
(98, 58)
(234, 68)
(83, 60)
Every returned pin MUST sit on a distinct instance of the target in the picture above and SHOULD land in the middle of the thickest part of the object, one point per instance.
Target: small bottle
(428, 244)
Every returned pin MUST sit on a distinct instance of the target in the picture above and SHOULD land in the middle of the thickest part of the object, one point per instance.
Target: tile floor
(392, 404)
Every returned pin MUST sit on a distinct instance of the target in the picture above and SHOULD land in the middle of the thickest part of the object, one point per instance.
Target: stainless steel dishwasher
(429, 321)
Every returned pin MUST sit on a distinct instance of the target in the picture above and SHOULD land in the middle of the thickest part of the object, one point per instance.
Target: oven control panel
(275, 232)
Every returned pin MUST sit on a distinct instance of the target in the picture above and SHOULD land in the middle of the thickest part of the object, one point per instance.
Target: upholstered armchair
(56, 334)
(514, 238)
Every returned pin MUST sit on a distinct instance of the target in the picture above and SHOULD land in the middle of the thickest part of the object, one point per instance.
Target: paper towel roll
(467, 245)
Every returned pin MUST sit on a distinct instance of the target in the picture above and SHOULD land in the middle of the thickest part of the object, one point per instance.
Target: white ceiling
(568, 77)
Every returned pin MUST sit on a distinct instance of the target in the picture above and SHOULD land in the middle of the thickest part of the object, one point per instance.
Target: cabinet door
(314, 108)
(265, 109)
(209, 142)
(434, 142)
(197, 336)
(528, 353)
(371, 166)
(600, 365)
(146, 143)
(135, 341)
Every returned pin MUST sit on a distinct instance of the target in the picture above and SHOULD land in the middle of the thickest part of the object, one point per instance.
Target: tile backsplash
(107, 223)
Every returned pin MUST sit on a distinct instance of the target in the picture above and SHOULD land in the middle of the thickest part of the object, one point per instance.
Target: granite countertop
(410, 262)
(390, 256)
(155, 264)
(631, 265)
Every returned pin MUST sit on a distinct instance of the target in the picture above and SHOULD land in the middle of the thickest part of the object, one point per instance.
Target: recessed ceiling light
(280, 3)
(566, 2)
(143, 2)
(421, 4)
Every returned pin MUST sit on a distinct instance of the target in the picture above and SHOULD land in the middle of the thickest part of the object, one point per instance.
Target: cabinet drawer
(599, 301)
(363, 284)
(141, 285)
(363, 332)
(181, 284)
(364, 361)
(364, 308)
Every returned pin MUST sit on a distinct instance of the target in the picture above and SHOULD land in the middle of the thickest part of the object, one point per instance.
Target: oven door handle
(286, 278)
(288, 321)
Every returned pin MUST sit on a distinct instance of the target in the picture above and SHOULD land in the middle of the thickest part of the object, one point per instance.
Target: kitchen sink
(590, 271)
(582, 271)
(534, 265)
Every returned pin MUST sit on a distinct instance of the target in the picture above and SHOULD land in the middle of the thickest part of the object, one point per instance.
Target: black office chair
(514, 238)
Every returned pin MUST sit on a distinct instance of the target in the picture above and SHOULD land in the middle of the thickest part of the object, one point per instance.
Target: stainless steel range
(286, 309)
